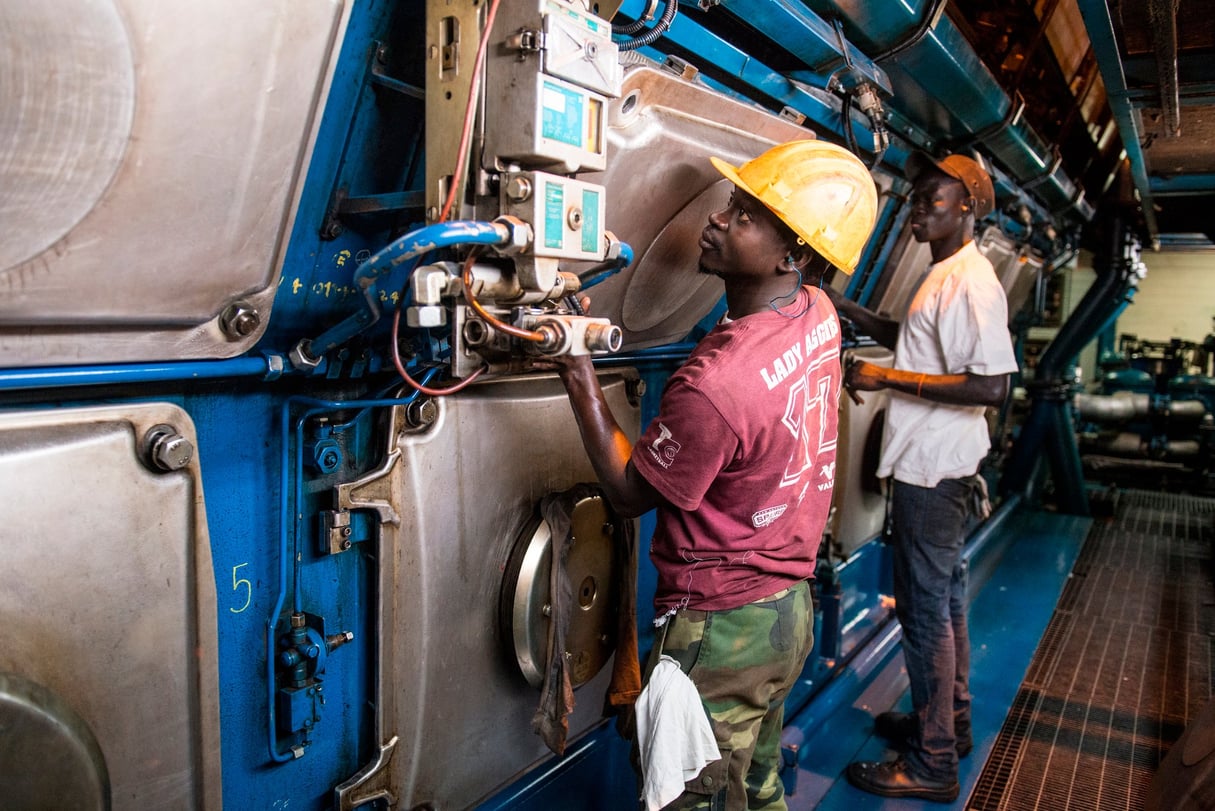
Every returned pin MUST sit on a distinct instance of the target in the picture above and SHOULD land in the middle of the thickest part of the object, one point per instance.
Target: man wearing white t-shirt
(953, 357)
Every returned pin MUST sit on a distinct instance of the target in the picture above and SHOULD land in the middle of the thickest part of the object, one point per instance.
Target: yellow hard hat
(822, 191)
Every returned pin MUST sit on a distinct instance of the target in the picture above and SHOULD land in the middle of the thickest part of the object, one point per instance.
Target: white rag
(673, 734)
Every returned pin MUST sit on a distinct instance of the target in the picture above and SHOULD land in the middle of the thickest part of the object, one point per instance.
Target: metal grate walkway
(1125, 662)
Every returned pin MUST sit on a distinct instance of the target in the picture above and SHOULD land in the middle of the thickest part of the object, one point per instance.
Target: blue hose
(396, 253)
(622, 261)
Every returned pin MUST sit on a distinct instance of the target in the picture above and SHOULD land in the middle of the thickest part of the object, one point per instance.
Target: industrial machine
(287, 503)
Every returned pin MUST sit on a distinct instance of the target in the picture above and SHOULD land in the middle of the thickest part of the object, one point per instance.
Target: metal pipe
(1103, 296)
(267, 367)
(1124, 406)
(1067, 471)
(1118, 407)
(288, 539)
(1100, 27)
(926, 55)
(1162, 14)
(1132, 446)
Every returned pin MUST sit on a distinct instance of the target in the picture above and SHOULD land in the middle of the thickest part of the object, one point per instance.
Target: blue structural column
(1049, 427)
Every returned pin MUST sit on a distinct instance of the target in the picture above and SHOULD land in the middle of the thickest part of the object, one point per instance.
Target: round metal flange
(49, 757)
(590, 638)
(663, 281)
(66, 126)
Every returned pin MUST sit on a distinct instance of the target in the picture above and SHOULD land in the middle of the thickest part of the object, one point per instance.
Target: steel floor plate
(1124, 664)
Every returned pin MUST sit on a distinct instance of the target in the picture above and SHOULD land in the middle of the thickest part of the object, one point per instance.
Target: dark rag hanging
(551, 719)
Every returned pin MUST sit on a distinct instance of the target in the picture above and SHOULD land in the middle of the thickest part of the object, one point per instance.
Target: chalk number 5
(237, 585)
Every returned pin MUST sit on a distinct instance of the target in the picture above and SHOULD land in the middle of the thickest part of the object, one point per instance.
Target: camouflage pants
(743, 662)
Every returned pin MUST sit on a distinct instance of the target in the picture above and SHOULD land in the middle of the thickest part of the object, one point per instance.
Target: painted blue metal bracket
(291, 482)
(861, 286)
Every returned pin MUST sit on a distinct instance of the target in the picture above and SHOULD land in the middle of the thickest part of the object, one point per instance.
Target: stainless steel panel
(859, 503)
(63, 131)
(48, 756)
(905, 280)
(108, 596)
(661, 190)
(451, 691)
(1016, 268)
(149, 159)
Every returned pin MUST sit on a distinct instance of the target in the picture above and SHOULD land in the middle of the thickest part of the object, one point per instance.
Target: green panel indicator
(563, 111)
(590, 221)
(554, 215)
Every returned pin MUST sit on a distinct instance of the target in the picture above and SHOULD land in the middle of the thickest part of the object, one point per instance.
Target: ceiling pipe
(1163, 17)
(942, 86)
(944, 97)
(1100, 26)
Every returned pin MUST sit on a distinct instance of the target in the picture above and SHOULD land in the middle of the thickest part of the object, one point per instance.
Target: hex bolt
(239, 320)
(167, 450)
(574, 218)
(421, 413)
(518, 189)
(332, 229)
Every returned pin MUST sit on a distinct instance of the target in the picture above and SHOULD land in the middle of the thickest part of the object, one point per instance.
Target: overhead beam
(1100, 26)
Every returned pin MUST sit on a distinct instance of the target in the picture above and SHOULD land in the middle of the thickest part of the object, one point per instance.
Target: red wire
(396, 361)
(466, 131)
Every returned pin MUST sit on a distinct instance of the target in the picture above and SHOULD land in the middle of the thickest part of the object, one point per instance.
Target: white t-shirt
(958, 322)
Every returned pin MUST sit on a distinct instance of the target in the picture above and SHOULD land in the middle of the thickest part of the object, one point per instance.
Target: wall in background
(1176, 300)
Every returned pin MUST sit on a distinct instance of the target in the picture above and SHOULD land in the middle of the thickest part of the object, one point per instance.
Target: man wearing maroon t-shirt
(740, 461)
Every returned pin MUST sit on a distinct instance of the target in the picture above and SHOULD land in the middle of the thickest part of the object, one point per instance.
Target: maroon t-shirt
(743, 448)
